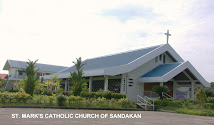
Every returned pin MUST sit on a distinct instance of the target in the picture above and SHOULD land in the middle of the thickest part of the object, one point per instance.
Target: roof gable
(171, 71)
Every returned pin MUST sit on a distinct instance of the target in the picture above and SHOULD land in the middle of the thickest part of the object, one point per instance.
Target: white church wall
(137, 88)
(168, 59)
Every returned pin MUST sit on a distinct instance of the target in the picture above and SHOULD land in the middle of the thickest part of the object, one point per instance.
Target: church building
(134, 73)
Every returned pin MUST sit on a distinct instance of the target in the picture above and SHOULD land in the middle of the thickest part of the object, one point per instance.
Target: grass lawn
(190, 107)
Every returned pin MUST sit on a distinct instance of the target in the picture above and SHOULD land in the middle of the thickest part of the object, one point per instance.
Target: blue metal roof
(112, 60)
(42, 67)
(161, 70)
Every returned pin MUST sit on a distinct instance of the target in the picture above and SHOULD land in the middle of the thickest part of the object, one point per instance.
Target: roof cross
(167, 38)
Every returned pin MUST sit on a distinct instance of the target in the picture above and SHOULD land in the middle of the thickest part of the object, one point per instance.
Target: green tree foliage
(210, 90)
(20, 85)
(212, 85)
(77, 78)
(53, 84)
(40, 88)
(160, 90)
(56, 82)
(2, 83)
(49, 84)
(31, 80)
(201, 97)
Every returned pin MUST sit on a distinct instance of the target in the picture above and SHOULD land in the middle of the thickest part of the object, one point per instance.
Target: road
(33, 116)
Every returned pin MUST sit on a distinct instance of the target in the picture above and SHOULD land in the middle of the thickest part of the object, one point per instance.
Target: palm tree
(77, 77)
(31, 80)
(56, 82)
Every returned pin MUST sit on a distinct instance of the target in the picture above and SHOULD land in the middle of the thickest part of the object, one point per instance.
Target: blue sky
(56, 32)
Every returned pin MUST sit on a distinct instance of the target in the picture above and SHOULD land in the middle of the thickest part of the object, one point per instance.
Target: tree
(209, 91)
(56, 82)
(77, 77)
(2, 83)
(49, 84)
(31, 80)
(160, 90)
(201, 97)
(212, 85)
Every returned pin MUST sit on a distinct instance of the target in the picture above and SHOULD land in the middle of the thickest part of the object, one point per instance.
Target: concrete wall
(12, 71)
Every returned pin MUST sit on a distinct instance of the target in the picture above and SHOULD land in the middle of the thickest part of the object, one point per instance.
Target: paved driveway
(147, 118)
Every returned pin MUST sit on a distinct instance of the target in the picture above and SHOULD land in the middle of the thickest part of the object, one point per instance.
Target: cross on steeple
(167, 34)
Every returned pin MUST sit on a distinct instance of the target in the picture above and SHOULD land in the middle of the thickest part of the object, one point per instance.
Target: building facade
(135, 72)
(16, 73)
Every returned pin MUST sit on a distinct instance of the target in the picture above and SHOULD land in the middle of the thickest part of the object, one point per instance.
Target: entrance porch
(181, 79)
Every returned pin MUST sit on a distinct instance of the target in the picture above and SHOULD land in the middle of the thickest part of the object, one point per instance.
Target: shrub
(40, 88)
(48, 92)
(59, 90)
(92, 94)
(84, 94)
(11, 97)
(168, 102)
(117, 95)
(127, 103)
(209, 92)
(2, 90)
(210, 100)
(106, 94)
(160, 90)
(61, 100)
(71, 99)
(161, 102)
(3, 96)
(209, 106)
(39, 99)
(98, 94)
(51, 99)
(67, 93)
(14, 90)
(45, 99)
(22, 96)
(102, 102)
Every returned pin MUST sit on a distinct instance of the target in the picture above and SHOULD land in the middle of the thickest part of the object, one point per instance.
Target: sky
(59, 31)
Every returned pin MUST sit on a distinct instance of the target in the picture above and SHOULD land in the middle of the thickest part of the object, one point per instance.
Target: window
(164, 59)
(20, 72)
(124, 84)
(160, 57)
(156, 59)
